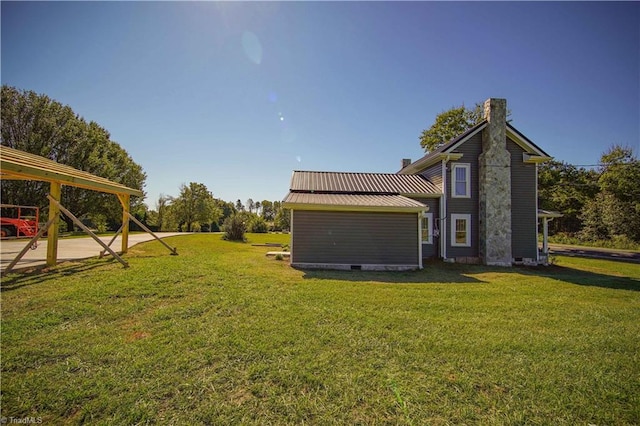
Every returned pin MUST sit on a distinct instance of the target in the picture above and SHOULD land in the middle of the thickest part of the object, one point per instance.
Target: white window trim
(455, 166)
(429, 218)
(454, 218)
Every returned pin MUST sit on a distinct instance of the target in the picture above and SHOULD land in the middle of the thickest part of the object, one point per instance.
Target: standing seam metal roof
(363, 183)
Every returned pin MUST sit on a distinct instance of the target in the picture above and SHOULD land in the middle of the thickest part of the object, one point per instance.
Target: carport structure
(20, 165)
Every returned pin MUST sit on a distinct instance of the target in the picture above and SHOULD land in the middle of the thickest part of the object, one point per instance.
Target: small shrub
(279, 256)
(234, 228)
(258, 225)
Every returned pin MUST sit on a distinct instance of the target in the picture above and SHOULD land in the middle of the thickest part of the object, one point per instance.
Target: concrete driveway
(68, 249)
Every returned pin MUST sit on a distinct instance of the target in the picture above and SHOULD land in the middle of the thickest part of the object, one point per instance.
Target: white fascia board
(418, 167)
(534, 159)
(524, 144)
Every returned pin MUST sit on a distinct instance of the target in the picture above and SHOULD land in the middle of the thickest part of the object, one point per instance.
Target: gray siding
(355, 238)
(471, 150)
(523, 205)
(434, 174)
(432, 250)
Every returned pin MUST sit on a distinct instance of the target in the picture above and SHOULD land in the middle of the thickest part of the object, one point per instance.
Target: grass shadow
(28, 276)
(434, 272)
(586, 278)
(440, 272)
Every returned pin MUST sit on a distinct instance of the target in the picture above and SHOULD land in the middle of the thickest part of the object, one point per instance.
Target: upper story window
(461, 180)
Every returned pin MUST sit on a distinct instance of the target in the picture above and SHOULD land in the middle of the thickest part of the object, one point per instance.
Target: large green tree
(268, 213)
(565, 188)
(194, 206)
(450, 124)
(615, 211)
(36, 124)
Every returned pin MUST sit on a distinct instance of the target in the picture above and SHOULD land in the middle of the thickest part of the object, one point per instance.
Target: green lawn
(223, 335)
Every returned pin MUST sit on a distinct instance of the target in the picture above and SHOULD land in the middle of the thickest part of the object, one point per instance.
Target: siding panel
(524, 243)
(434, 175)
(471, 150)
(355, 238)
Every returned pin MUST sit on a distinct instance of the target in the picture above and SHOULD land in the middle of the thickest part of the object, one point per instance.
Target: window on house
(461, 180)
(461, 230)
(427, 228)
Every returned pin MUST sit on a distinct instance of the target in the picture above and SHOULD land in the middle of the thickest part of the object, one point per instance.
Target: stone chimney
(405, 162)
(494, 173)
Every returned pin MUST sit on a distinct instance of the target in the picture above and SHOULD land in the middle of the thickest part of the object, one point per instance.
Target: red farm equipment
(18, 221)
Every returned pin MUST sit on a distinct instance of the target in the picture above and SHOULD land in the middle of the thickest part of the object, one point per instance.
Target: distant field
(223, 335)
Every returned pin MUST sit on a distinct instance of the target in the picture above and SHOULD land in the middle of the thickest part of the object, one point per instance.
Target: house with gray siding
(472, 200)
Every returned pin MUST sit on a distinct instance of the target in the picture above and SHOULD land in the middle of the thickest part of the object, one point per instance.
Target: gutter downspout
(291, 252)
(443, 210)
(420, 219)
(537, 228)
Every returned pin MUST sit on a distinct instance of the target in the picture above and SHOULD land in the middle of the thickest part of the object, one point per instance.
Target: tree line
(195, 209)
(597, 203)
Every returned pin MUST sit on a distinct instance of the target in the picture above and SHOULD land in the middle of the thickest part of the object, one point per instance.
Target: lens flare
(252, 47)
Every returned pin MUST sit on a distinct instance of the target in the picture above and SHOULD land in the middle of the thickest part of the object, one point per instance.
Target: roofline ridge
(357, 173)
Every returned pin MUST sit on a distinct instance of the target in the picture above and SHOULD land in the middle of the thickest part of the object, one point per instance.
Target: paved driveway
(68, 249)
(595, 252)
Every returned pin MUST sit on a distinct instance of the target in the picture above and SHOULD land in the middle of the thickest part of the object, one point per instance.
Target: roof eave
(418, 166)
(548, 214)
(525, 143)
(534, 159)
(332, 207)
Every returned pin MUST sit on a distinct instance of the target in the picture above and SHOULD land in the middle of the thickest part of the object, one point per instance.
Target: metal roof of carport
(15, 164)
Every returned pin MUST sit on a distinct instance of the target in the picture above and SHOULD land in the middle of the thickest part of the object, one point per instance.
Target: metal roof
(15, 164)
(354, 201)
(361, 183)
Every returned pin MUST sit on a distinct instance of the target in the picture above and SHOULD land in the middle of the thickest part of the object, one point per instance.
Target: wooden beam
(174, 250)
(112, 239)
(32, 244)
(54, 216)
(87, 230)
(126, 207)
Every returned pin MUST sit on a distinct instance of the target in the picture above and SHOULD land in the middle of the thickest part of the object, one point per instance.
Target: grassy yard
(223, 335)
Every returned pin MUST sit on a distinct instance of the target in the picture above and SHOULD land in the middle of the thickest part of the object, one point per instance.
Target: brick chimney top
(406, 162)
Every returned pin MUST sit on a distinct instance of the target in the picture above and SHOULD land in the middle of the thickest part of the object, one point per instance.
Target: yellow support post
(124, 200)
(54, 215)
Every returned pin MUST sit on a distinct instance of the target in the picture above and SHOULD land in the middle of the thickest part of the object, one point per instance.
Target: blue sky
(238, 95)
